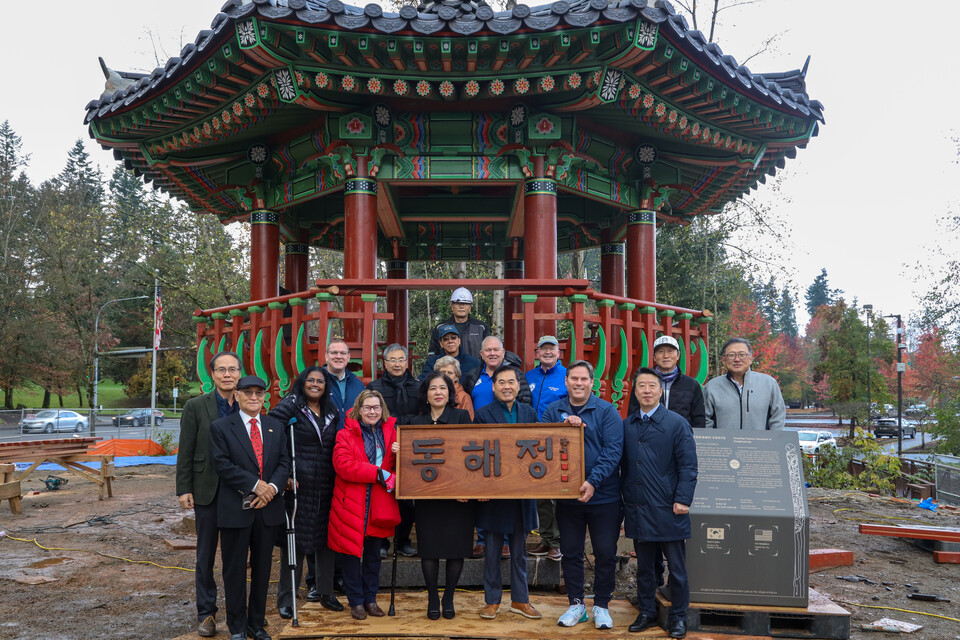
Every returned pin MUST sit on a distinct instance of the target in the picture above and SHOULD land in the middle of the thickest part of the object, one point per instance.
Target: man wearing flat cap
(251, 458)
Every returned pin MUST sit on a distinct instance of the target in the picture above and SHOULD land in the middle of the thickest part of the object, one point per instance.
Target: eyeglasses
(395, 360)
(223, 370)
(737, 356)
(371, 409)
(254, 393)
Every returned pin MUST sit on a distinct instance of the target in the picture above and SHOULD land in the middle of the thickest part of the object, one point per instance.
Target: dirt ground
(107, 572)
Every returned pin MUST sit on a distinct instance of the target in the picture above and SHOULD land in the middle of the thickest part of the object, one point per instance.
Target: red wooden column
(512, 329)
(264, 254)
(398, 304)
(540, 238)
(642, 255)
(360, 239)
(611, 269)
(296, 265)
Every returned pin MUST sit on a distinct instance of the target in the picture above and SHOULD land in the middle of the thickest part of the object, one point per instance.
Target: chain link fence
(948, 484)
(35, 424)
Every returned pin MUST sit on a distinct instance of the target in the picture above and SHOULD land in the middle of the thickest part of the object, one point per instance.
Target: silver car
(50, 420)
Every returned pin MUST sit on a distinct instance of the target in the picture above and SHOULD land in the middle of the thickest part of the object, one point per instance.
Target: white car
(814, 441)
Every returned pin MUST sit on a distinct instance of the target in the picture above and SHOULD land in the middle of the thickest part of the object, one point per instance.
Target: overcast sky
(862, 201)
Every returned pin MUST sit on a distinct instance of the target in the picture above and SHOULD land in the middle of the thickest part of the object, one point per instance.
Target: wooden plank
(10, 490)
(490, 461)
(821, 559)
(946, 557)
(944, 534)
(181, 545)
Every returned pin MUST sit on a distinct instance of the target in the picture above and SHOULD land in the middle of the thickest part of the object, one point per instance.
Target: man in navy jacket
(599, 504)
(659, 470)
(345, 386)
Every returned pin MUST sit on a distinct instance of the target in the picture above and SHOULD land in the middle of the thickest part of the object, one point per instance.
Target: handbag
(384, 510)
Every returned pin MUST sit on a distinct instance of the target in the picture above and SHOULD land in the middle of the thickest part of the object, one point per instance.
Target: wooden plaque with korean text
(490, 461)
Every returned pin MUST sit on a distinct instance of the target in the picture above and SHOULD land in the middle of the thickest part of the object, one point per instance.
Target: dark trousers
(492, 576)
(208, 535)
(548, 530)
(322, 561)
(675, 552)
(361, 576)
(235, 544)
(311, 571)
(603, 520)
(402, 536)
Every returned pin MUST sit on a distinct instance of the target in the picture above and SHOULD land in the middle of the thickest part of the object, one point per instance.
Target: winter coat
(524, 396)
(355, 486)
(758, 406)
(546, 387)
(467, 363)
(463, 400)
(313, 456)
(353, 388)
(498, 515)
(602, 445)
(685, 398)
(402, 395)
(472, 334)
(659, 468)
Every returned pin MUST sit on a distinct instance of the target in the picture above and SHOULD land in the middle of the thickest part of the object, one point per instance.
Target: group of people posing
(233, 470)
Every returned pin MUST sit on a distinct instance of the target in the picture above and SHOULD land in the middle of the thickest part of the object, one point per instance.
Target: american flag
(158, 321)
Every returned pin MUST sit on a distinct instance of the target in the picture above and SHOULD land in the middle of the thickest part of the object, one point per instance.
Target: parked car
(137, 418)
(917, 409)
(50, 420)
(887, 427)
(814, 441)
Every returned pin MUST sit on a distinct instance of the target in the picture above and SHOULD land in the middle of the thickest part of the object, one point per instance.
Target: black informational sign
(750, 527)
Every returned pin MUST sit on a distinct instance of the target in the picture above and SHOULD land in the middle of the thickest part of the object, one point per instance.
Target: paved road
(104, 429)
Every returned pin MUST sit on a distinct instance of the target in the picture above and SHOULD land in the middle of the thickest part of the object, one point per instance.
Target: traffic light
(176, 381)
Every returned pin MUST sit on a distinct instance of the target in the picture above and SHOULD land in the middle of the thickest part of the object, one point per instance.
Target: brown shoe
(358, 612)
(540, 550)
(526, 610)
(505, 552)
(479, 550)
(489, 612)
(374, 609)
(207, 628)
(554, 554)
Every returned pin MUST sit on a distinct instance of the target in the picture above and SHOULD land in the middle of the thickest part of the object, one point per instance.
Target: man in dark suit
(197, 479)
(251, 456)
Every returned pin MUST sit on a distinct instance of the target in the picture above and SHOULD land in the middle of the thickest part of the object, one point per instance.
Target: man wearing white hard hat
(472, 331)
(681, 394)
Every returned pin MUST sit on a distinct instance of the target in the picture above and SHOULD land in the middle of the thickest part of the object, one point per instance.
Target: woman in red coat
(364, 509)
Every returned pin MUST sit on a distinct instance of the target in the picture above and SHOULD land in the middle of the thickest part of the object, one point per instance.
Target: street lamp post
(900, 369)
(96, 358)
(869, 309)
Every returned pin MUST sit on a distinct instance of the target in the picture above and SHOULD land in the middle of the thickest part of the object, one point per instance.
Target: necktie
(257, 444)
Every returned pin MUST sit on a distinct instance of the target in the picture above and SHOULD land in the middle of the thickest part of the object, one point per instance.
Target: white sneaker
(574, 615)
(601, 618)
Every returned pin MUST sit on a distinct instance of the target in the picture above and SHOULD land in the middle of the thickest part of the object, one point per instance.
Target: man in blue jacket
(599, 504)
(659, 470)
(547, 385)
(346, 386)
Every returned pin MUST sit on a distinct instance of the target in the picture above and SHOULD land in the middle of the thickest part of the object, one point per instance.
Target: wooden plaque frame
(446, 461)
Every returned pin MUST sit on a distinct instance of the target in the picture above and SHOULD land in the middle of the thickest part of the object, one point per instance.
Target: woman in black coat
(444, 527)
(316, 422)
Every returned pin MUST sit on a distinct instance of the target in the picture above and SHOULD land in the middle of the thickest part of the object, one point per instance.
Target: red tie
(257, 444)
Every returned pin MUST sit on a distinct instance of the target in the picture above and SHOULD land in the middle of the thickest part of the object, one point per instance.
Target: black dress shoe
(678, 629)
(450, 613)
(331, 602)
(258, 634)
(642, 623)
(313, 595)
(338, 585)
(285, 612)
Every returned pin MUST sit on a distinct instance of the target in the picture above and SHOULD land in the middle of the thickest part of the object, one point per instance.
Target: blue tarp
(125, 461)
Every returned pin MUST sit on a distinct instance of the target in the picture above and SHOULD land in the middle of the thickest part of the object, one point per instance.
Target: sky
(862, 201)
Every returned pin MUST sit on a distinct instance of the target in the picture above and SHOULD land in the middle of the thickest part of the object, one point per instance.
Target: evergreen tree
(819, 293)
(787, 315)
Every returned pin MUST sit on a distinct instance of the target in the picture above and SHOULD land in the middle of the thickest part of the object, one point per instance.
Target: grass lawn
(109, 395)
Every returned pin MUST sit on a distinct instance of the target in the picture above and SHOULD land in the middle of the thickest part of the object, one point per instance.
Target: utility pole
(869, 309)
(900, 369)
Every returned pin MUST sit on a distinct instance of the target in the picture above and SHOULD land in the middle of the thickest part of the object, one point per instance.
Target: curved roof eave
(782, 91)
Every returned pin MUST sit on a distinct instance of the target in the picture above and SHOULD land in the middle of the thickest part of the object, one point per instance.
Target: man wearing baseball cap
(472, 331)
(681, 394)
(450, 343)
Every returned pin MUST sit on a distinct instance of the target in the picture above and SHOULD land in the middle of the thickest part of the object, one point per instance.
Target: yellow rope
(919, 613)
(99, 553)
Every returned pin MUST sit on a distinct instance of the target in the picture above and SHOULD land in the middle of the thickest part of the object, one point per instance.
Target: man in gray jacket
(742, 399)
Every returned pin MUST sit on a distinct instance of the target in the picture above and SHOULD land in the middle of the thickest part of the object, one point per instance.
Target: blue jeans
(492, 577)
